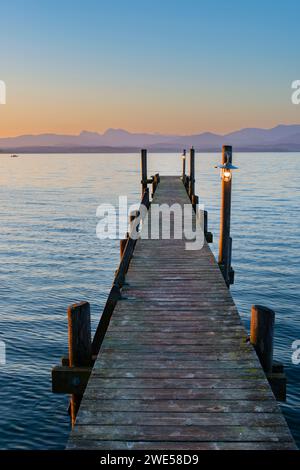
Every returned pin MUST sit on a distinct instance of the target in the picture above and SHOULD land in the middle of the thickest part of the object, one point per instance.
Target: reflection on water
(50, 257)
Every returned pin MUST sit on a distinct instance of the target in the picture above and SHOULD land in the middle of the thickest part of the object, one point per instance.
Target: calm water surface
(50, 257)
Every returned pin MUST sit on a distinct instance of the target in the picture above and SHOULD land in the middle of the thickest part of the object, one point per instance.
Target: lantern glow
(226, 175)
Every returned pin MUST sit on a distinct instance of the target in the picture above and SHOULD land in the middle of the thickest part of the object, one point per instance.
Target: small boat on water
(14, 156)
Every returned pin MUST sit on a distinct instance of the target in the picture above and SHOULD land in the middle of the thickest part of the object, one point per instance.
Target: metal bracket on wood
(147, 181)
(71, 380)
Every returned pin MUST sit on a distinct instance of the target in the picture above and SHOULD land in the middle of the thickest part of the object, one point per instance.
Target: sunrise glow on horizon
(172, 67)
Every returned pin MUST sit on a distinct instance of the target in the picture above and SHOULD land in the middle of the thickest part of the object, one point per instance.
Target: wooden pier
(176, 368)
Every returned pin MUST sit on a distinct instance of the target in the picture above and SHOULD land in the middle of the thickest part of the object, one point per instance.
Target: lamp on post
(191, 188)
(225, 172)
(225, 244)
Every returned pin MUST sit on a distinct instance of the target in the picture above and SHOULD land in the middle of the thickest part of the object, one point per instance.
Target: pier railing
(115, 292)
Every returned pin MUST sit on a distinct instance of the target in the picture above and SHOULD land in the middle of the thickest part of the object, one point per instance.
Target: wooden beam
(192, 173)
(71, 380)
(262, 335)
(144, 170)
(79, 322)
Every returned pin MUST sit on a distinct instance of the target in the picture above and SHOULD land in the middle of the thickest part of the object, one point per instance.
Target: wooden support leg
(80, 344)
(262, 338)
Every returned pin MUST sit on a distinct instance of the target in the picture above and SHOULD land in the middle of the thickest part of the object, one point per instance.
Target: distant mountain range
(280, 138)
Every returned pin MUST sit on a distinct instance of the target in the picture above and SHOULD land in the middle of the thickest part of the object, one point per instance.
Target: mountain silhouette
(279, 138)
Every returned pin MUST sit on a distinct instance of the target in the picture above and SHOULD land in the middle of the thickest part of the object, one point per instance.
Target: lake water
(50, 257)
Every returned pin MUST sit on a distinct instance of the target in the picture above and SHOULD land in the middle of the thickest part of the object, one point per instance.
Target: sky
(175, 67)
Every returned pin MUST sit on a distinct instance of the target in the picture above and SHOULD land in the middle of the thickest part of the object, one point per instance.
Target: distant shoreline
(125, 150)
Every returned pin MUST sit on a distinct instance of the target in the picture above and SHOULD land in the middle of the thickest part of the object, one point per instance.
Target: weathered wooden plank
(186, 433)
(134, 308)
(180, 356)
(190, 383)
(180, 406)
(220, 350)
(97, 393)
(182, 301)
(94, 417)
(181, 334)
(87, 443)
(170, 373)
(149, 320)
(174, 327)
(203, 318)
(117, 361)
(223, 345)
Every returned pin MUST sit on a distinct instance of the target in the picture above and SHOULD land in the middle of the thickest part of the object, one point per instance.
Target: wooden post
(192, 173)
(122, 246)
(262, 334)
(183, 165)
(195, 201)
(208, 235)
(79, 322)
(80, 345)
(187, 183)
(205, 222)
(224, 244)
(144, 170)
(146, 199)
(153, 185)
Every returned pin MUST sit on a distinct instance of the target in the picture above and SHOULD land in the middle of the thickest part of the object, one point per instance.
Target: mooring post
(183, 166)
(225, 242)
(144, 170)
(80, 345)
(262, 338)
(192, 173)
(205, 223)
(123, 243)
(195, 201)
(262, 335)
(187, 183)
(208, 235)
(146, 200)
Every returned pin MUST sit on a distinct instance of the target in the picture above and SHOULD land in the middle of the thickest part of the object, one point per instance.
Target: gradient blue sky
(166, 66)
